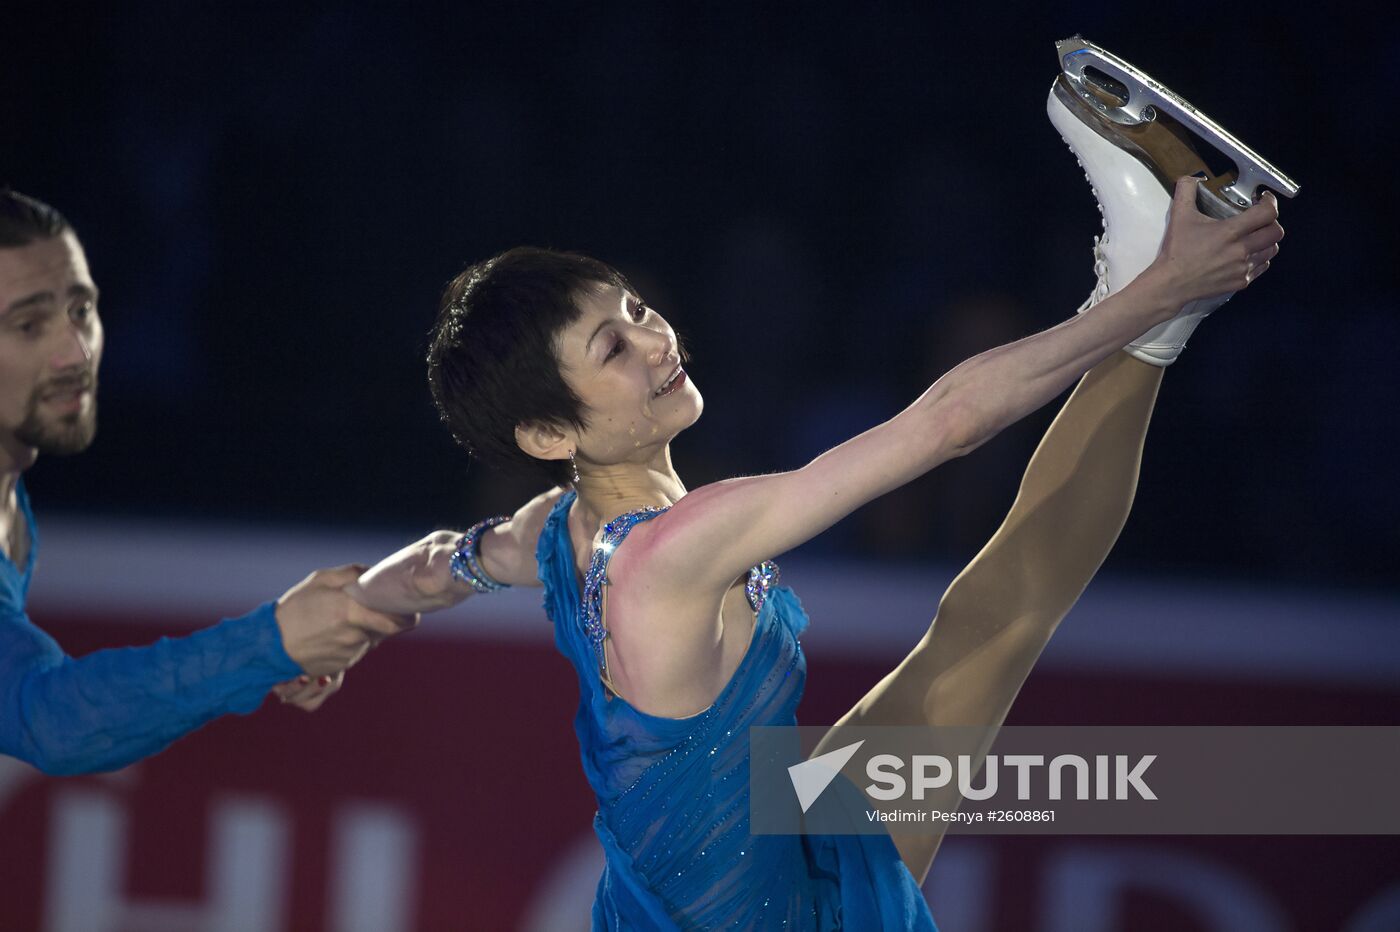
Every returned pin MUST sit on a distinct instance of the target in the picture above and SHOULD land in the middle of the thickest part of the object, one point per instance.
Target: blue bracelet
(466, 558)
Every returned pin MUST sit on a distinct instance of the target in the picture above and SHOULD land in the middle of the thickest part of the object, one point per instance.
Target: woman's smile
(673, 382)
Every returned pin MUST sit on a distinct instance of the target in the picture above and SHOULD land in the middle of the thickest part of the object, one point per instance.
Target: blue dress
(673, 794)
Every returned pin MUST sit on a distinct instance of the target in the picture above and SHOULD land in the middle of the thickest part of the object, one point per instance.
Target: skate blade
(1145, 117)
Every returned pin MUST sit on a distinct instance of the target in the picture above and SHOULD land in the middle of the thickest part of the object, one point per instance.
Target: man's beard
(71, 433)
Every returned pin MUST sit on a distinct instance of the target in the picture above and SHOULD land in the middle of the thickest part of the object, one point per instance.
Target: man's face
(50, 348)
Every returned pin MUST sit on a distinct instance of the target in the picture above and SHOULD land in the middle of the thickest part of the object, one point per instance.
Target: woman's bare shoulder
(512, 544)
(533, 513)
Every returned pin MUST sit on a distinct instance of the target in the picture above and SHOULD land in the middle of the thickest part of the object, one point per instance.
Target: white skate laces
(1100, 278)
(1106, 111)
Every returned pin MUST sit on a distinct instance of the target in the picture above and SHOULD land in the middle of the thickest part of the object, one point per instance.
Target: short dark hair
(24, 219)
(492, 362)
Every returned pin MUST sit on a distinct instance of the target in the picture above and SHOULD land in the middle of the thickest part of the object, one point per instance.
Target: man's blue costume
(113, 707)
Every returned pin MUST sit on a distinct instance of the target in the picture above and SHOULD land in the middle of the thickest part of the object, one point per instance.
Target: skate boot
(1134, 137)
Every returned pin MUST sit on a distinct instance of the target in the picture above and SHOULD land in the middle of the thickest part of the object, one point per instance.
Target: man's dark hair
(492, 362)
(24, 220)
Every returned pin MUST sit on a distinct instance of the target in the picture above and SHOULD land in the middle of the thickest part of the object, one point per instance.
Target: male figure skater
(112, 707)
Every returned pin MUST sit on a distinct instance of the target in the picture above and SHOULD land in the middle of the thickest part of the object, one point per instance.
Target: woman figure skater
(664, 599)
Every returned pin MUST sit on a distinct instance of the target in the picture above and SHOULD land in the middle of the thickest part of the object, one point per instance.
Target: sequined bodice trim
(761, 579)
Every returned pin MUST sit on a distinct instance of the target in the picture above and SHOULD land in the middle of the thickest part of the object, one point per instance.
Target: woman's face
(621, 358)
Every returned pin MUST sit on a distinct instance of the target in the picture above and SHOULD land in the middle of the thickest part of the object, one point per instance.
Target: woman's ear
(543, 441)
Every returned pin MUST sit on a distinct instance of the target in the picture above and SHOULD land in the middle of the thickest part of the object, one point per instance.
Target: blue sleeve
(113, 707)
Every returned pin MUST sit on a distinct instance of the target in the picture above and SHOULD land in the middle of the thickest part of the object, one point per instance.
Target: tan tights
(999, 613)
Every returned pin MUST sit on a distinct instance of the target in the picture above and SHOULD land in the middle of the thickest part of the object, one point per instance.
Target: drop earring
(573, 464)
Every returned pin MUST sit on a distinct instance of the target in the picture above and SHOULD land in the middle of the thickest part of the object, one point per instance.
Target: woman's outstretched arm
(416, 579)
(715, 533)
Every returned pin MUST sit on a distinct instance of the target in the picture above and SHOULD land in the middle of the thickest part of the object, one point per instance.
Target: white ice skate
(1134, 137)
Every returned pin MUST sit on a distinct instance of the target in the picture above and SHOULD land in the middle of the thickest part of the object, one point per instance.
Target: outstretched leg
(999, 613)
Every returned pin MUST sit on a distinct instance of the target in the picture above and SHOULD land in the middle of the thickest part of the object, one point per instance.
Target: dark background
(834, 204)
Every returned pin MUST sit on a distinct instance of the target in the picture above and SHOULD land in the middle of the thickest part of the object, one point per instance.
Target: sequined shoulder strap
(591, 608)
(761, 578)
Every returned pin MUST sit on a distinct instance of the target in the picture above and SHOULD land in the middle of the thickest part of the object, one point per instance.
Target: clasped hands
(327, 628)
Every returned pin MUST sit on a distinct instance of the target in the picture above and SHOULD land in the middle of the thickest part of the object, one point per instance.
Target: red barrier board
(441, 789)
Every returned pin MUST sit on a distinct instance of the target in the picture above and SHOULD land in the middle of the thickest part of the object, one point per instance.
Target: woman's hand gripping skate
(1203, 258)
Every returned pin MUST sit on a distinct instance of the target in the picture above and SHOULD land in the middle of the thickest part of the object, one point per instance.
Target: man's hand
(326, 631)
(308, 694)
